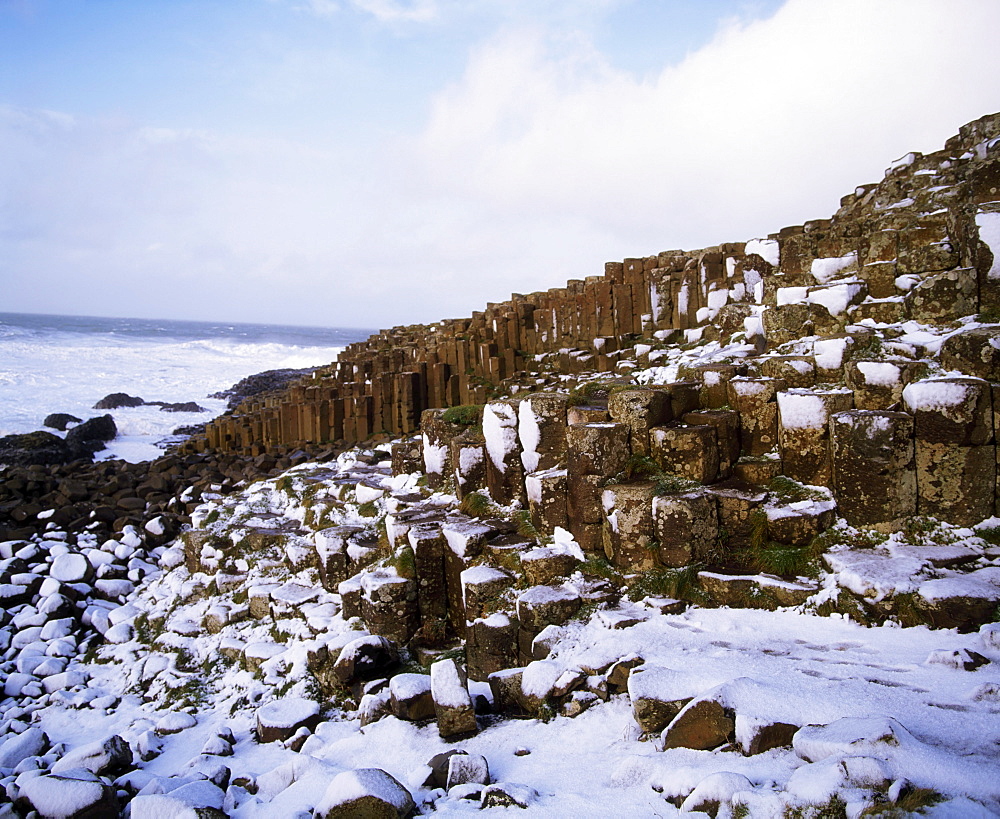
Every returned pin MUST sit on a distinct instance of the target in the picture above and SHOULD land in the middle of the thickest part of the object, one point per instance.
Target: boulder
(281, 719)
(411, 697)
(453, 707)
(60, 420)
(73, 794)
(366, 793)
(91, 435)
(116, 400)
(106, 756)
(30, 448)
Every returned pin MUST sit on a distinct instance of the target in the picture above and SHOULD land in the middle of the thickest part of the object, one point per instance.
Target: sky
(368, 163)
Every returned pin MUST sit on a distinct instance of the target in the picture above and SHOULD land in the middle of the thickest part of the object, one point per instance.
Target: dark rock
(267, 381)
(186, 406)
(117, 400)
(60, 420)
(91, 435)
(35, 448)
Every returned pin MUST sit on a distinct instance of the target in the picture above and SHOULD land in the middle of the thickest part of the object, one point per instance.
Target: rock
(31, 742)
(366, 793)
(91, 435)
(174, 723)
(541, 606)
(507, 795)
(60, 420)
(184, 406)
(267, 381)
(962, 659)
(817, 783)
(41, 447)
(756, 736)
(686, 525)
(411, 697)
(71, 568)
(279, 720)
(200, 799)
(117, 400)
(453, 707)
(464, 769)
(106, 756)
(73, 794)
(438, 764)
(975, 351)
(850, 736)
(715, 790)
(702, 724)
(365, 659)
(657, 695)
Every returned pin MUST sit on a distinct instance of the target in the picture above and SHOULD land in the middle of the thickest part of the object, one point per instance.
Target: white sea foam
(46, 368)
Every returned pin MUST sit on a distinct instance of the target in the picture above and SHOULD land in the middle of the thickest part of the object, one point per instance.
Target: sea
(68, 363)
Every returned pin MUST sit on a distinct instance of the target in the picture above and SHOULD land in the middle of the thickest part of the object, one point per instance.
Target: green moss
(466, 415)
(476, 505)
(912, 802)
(405, 563)
(600, 567)
(669, 484)
(211, 517)
(590, 392)
(660, 582)
(369, 509)
(834, 808)
(525, 527)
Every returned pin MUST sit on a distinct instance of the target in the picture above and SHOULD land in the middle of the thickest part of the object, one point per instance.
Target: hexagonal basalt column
(874, 471)
(628, 525)
(686, 525)
(640, 410)
(956, 458)
(804, 434)
(546, 491)
(691, 452)
(755, 400)
(594, 452)
(541, 429)
(504, 471)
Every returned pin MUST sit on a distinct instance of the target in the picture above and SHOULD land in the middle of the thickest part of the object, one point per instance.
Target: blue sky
(376, 162)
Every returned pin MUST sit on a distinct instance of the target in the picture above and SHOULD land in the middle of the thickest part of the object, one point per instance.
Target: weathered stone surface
(597, 449)
(281, 719)
(541, 606)
(547, 499)
(755, 591)
(691, 452)
(543, 565)
(956, 411)
(755, 399)
(365, 658)
(366, 793)
(727, 433)
(736, 504)
(468, 456)
(628, 525)
(797, 371)
(874, 468)
(657, 696)
(639, 410)
(791, 321)
(975, 352)
(482, 587)
(411, 697)
(797, 525)
(437, 435)
(504, 470)
(941, 297)
(389, 605)
(452, 703)
(877, 385)
(956, 483)
(803, 432)
(331, 551)
(686, 526)
(490, 645)
(541, 430)
(702, 724)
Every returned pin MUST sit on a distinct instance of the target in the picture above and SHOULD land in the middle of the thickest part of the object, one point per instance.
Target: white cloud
(537, 164)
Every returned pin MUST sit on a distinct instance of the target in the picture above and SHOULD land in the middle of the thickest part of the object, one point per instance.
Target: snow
(835, 298)
(792, 295)
(935, 395)
(989, 233)
(435, 456)
(879, 373)
(829, 352)
(287, 712)
(825, 270)
(767, 249)
(802, 409)
(529, 434)
(447, 687)
(500, 432)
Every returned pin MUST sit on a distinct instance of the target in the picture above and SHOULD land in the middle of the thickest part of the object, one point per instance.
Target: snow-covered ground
(902, 712)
